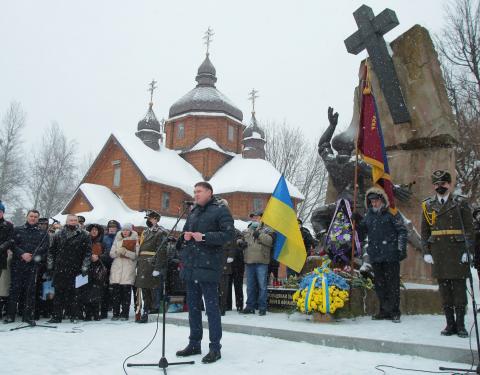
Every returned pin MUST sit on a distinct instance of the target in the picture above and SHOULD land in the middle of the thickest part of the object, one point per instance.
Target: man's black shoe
(189, 350)
(8, 320)
(54, 320)
(115, 317)
(462, 332)
(380, 316)
(212, 356)
(247, 311)
(449, 331)
(262, 313)
(396, 318)
(143, 319)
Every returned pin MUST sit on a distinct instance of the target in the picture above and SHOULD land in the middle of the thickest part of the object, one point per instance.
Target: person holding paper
(69, 256)
(122, 275)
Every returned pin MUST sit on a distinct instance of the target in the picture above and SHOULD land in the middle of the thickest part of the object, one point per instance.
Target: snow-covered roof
(209, 143)
(205, 99)
(211, 114)
(164, 166)
(107, 206)
(249, 175)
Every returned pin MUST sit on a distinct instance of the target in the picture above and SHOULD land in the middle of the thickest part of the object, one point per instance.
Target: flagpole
(355, 186)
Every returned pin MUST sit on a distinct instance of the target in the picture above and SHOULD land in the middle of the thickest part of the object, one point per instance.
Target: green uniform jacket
(258, 250)
(149, 253)
(443, 237)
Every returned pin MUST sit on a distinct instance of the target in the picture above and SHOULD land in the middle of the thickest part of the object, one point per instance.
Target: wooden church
(157, 166)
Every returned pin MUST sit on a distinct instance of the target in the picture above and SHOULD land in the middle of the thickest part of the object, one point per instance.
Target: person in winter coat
(387, 247)
(257, 255)
(476, 231)
(30, 249)
(236, 278)
(152, 257)
(447, 237)
(90, 295)
(69, 256)
(6, 238)
(209, 226)
(113, 226)
(124, 252)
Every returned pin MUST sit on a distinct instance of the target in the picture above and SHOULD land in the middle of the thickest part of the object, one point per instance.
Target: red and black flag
(370, 142)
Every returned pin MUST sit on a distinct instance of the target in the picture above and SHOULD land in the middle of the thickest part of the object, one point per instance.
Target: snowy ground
(100, 348)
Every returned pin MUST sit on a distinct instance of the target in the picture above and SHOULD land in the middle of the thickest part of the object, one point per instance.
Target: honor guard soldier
(446, 238)
(151, 240)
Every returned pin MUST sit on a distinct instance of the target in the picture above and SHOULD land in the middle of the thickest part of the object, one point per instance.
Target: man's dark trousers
(387, 287)
(195, 289)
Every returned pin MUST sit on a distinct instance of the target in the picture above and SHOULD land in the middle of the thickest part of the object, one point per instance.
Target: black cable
(145, 348)
(414, 370)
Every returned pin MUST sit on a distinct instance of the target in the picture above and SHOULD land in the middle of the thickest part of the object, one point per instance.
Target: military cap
(441, 176)
(152, 214)
(43, 220)
(256, 213)
(81, 219)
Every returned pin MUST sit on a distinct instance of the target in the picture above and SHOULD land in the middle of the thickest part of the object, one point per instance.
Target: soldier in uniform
(446, 231)
(150, 242)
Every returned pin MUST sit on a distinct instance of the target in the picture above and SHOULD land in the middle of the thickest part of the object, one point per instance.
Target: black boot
(11, 312)
(143, 319)
(189, 350)
(460, 315)
(212, 356)
(451, 327)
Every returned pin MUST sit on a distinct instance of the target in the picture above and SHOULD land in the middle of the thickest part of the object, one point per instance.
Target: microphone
(55, 220)
(188, 203)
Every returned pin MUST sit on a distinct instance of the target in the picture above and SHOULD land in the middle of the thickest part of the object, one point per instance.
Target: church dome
(205, 97)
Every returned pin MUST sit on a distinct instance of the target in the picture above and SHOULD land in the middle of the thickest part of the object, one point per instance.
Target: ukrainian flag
(279, 215)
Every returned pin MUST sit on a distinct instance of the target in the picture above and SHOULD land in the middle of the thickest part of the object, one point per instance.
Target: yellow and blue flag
(280, 215)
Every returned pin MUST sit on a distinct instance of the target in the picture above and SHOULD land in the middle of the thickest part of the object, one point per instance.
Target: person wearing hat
(113, 226)
(257, 254)
(81, 221)
(308, 241)
(447, 237)
(476, 231)
(386, 242)
(152, 245)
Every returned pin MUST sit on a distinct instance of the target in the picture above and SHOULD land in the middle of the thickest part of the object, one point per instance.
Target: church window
(165, 200)
(231, 133)
(181, 130)
(117, 171)
(257, 204)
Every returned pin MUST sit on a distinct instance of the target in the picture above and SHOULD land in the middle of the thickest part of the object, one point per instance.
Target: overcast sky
(87, 64)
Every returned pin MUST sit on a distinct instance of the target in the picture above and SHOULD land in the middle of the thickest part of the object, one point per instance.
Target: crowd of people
(84, 272)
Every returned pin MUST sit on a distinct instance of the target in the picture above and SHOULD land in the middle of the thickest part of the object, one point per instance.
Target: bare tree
(298, 160)
(53, 176)
(12, 176)
(459, 50)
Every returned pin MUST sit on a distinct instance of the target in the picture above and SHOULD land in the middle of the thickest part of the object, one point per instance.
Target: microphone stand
(163, 362)
(474, 304)
(31, 323)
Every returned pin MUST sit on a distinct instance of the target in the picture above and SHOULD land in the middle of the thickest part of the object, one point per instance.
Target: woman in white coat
(124, 252)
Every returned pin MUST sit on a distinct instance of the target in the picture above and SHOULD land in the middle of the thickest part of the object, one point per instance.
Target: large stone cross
(369, 36)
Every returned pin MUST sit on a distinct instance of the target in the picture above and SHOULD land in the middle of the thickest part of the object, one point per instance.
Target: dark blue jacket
(203, 261)
(387, 236)
(29, 239)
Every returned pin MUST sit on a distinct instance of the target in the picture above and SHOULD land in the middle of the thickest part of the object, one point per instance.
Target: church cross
(152, 87)
(252, 96)
(208, 38)
(369, 36)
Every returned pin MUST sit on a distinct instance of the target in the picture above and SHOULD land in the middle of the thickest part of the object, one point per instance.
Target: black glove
(403, 254)
(84, 271)
(256, 234)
